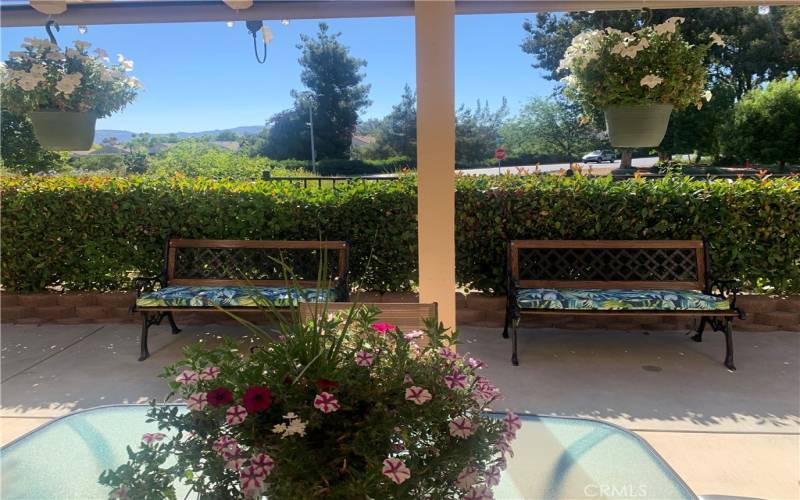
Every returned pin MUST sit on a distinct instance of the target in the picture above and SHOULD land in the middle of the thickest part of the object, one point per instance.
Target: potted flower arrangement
(637, 79)
(64, 93)
(339, 407)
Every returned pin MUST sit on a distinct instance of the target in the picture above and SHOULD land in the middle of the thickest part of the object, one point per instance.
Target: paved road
(554, 167)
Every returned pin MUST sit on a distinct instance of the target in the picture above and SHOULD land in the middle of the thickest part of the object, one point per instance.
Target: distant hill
(126, 135)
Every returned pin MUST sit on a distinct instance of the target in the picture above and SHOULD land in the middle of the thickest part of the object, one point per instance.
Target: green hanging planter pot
(637, 126)
(64, 130)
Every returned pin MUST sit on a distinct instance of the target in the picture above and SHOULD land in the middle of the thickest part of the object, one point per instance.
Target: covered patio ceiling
(435, 49)
(86, 12)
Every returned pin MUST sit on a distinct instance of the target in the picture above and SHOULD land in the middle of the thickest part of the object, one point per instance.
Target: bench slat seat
(618, 299)
(232, 296)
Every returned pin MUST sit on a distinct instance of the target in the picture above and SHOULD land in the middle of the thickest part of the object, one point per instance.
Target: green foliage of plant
(766, 124)
(753, 228)
(21, 152)
(201, 159)
(92, 233)
(478, 131)
(652, 65)
(343, 395)
(42, 77)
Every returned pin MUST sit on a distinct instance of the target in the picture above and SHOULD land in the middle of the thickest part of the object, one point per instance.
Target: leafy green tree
(552, 126)
(369, 127)
(335, 93)
(195, 158)
(398, 133)
(765, 124)
(700, 130)
(758, 48)
(478, 132)
(21, 152)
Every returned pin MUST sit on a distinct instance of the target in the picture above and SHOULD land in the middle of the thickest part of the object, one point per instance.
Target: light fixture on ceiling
(230, 24)
(82, 29)
(285, 22)
(254, 27)
(763, 10)
(239, 4)
(50, 7)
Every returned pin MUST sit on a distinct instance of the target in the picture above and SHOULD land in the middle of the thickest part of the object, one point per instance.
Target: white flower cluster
(46, 61)
(583, 49)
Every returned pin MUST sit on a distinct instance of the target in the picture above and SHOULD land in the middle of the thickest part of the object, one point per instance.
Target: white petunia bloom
(69, 83)
(651, 81)
(668, 26)
(707, 95)
(102, 54)
(717, 40)
(54, 55)
(81, 44)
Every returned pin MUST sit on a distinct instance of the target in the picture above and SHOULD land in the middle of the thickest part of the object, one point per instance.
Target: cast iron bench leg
(175, 329)
(514, 325)
(699, 336)
(729, 344)
(507, 320)
(145, 353)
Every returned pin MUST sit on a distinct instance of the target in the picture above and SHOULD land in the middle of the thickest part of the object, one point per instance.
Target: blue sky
(203, 76)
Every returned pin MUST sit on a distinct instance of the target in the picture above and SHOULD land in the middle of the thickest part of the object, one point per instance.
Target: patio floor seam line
(76, 341)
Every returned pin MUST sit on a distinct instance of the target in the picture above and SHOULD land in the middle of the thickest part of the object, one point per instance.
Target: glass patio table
(555, 457)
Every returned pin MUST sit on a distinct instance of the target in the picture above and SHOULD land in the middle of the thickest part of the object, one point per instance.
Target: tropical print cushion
(232, 296)
(606, 300)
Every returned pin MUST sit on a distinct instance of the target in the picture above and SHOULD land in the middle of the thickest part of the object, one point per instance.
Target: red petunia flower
(257, 399)
(323, 384)
(383, 327)
(220, 396)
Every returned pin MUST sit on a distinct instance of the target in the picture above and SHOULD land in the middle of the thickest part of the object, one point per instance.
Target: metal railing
(325, 181)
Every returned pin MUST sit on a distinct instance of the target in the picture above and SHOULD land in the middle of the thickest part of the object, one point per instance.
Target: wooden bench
(618, 278)
(240, 276)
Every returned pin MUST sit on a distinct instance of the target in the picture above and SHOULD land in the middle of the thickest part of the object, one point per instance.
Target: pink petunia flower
(197, 401)
(396, 470)
(485, 391)
(461, 427)
(231, 452)
(382, 327)
(504, 446)
(447, 354)
(186, 377)
(251, 480)
(492, 475)
(235, 463)
(455, 381)
(263, 462)
(480, 492)
(467, 478)
(326, 403)
(413, 334)
(407, 379)
(235, 415)
(150, 438)
(512, 422)
(476, 364)
(121, 492)
(209, 373)
(364, 358)
(418, 395)
(223, 442)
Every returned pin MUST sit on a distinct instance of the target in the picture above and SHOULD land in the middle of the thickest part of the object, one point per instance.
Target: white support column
(435, 46)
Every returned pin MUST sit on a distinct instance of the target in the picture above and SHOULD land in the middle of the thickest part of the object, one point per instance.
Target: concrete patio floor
(726, 433)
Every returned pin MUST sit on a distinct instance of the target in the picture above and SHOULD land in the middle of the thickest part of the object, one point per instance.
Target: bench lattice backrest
(663, 264)
(254, 262)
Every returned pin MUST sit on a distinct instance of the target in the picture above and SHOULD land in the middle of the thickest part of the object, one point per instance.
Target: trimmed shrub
(96, 233)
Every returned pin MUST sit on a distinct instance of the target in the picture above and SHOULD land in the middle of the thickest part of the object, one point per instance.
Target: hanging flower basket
(64, 130)
(64, 93)
(636, 79)
(637, 126)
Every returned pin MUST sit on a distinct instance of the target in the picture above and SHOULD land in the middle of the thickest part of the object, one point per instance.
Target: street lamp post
(311, 126)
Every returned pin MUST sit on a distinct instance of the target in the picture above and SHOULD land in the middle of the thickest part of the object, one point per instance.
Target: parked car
(600, 156)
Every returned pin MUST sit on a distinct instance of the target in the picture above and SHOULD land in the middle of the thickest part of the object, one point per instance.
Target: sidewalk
(725, 433)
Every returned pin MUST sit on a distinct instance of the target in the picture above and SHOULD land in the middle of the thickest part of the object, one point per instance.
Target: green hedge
(95, 233)
(350, 167)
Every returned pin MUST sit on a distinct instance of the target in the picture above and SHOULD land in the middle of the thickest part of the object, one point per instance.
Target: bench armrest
(728, 289)
(146, 284)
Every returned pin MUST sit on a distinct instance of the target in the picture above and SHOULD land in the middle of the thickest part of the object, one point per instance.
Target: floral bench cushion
(614, 299)
(232, 296)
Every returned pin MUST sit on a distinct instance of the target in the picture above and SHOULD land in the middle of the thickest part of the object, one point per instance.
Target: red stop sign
(500, 154)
